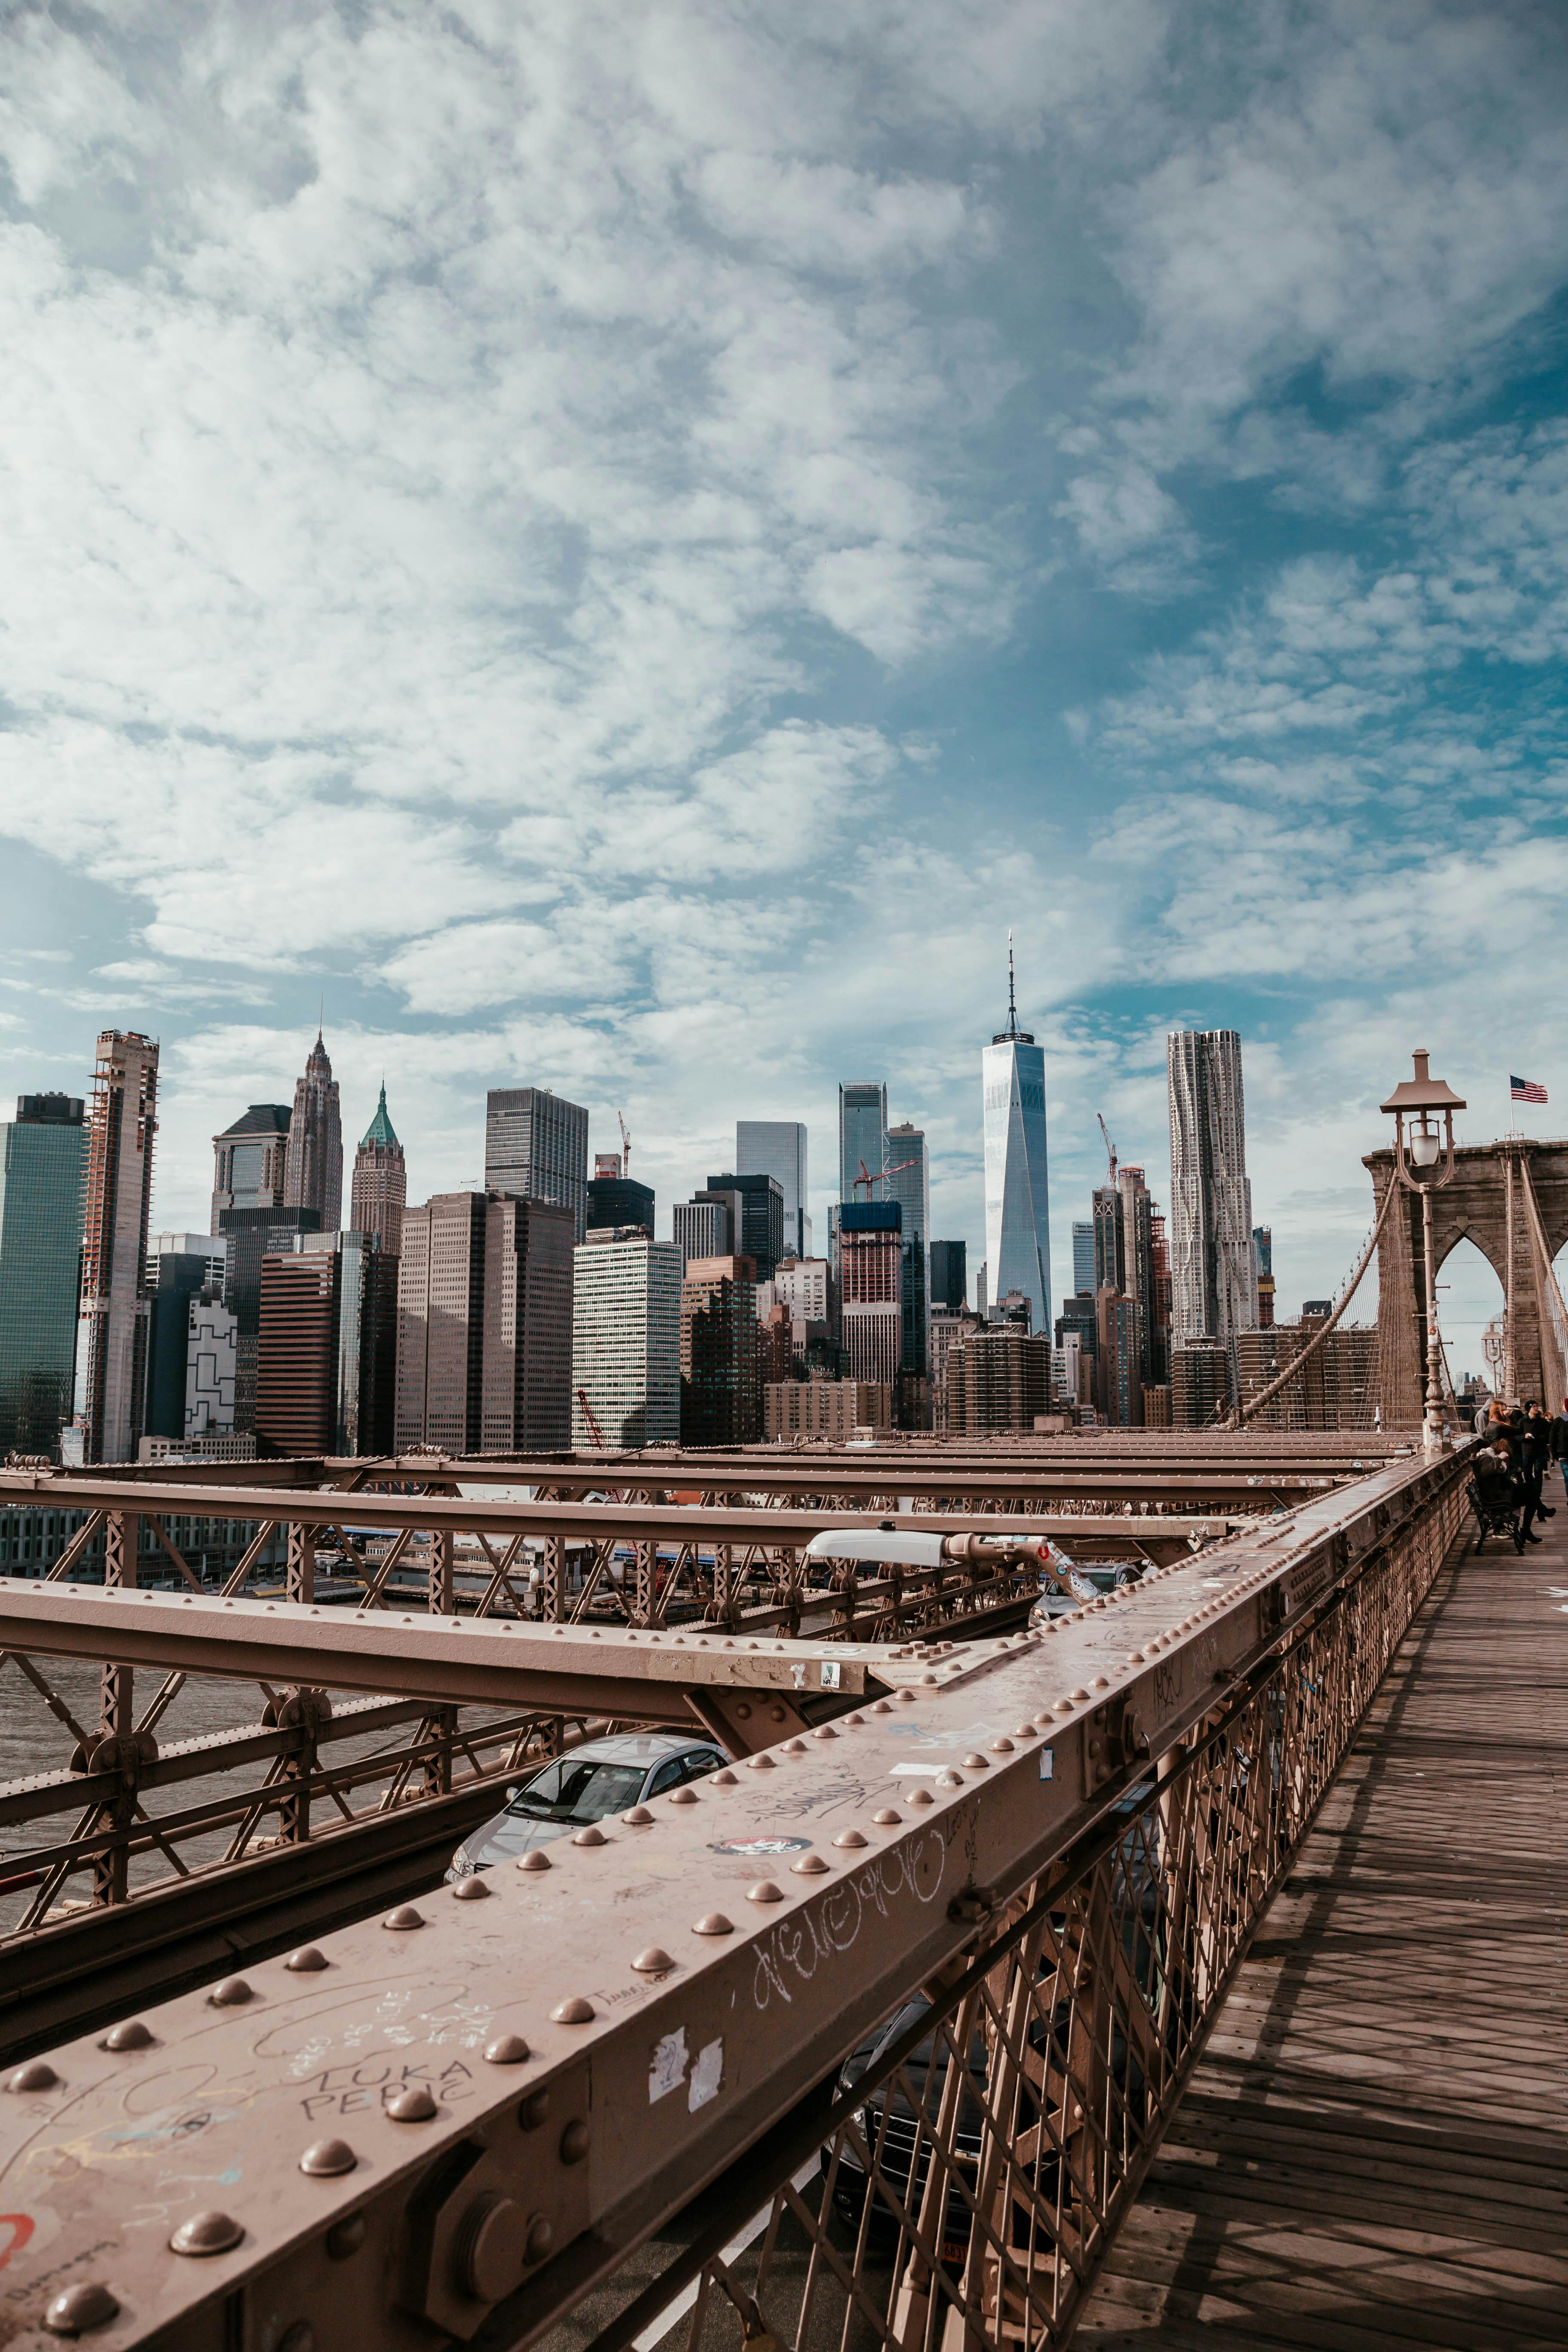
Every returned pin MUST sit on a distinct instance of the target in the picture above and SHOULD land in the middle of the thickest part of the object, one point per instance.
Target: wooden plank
(1374, 2150)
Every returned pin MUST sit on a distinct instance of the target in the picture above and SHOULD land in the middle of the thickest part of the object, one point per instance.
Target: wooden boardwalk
(1373, 2150)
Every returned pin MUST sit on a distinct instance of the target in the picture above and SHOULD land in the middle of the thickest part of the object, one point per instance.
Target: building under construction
(1337, 1386)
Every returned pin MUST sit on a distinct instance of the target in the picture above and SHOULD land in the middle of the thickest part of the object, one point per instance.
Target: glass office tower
(776, 1148)
(862, 1135)
(1018, 1215)
(909, 1184)
(1213, 1288)
(43, 1167)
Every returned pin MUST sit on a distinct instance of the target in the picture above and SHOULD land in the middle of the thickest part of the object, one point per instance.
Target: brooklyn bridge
(1113, 1891)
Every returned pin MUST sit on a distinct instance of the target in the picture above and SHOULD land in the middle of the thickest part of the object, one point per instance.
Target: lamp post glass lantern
(1423, 1163)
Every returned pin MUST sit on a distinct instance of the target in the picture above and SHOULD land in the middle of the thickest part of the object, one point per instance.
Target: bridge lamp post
(1423, 1163)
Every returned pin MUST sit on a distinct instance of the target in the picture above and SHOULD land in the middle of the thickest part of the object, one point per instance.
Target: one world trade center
(1017, 1214)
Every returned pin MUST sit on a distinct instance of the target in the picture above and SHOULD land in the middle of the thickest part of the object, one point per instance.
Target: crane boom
(881, 1176)
(625, 1146)
(1109, 1147)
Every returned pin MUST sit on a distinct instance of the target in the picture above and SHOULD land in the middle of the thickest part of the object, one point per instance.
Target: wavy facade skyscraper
(1017, 1210)
(1214, 1290)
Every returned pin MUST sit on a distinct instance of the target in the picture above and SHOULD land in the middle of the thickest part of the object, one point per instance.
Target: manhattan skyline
(1024, 479)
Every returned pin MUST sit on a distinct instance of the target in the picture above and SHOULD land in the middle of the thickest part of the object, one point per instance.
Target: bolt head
(506, 2050)
(810, 1865)
(414, 2105)
(592, 1835)
(575, 2142)
(920, 1797)
(78, 2308)
(725, 1780)
(404, 1918)
(794, 1748)
(824, 1731)
(232, 1993)
(654, 1962)
(574, 2011)
(976, 1764)
(765, 1891)
(541, 2239)
(305, 1960)
(713, 1923)
(949, 1779)
(849, 1837)
(346, 2237)
(761, 1764)
(683, 1797)
(638, 1818)
(534, 2111)
(301, 2338)
(1001, 1748)
(324, 2160)
(206, 2234)
(887, 1819)
(534, 1860)
(37, 2075)
(131, 2035)
(470, 1890)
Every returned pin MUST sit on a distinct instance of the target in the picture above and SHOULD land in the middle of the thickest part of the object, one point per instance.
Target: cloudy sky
(625, 545)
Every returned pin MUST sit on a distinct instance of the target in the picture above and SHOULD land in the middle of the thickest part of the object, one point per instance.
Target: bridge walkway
(1374, 2150)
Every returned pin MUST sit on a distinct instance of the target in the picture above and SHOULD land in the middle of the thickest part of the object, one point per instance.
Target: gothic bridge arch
(1484, 1204)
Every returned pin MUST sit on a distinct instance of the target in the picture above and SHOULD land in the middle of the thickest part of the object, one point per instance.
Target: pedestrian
(1560, 1441)
(1542, 1456)
(1499, 1484)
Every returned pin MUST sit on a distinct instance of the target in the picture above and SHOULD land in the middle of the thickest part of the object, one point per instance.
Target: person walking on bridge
(1560, 1441)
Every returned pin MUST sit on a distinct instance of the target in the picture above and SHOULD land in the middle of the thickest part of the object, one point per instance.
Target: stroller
(1498, 1501)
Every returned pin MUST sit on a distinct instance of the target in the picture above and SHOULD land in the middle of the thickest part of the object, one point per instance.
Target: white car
(587, 1784)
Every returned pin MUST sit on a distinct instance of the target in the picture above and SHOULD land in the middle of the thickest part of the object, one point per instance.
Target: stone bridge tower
(1485, 1204)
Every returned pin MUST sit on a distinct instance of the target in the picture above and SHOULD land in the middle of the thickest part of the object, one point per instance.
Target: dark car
(587, 1784)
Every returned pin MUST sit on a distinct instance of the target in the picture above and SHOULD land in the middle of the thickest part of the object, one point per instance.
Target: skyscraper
(249, 1160)
(862, 1134)
(1083, 1255)
(313, 1165)
(1214, 1293)
(909, 1184)
(759, 1225)
(720, 1387)
(43, 1164)
(626, 1344)
(484, 1324)
(248, 1234)
(949, 1277)
(871, 1289)
(617, 1199)
(380, 1190)
(1263, 1258)
(536, 1149)
(1017, 1214)
(111, 1346)
(776, 1148)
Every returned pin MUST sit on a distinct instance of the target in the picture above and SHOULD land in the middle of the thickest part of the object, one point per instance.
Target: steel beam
(473, 2112)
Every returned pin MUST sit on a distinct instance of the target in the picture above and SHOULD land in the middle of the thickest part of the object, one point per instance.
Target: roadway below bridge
(1373, 2150)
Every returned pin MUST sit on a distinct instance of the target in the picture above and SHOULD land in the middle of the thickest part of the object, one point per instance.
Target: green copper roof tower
(380, 1183)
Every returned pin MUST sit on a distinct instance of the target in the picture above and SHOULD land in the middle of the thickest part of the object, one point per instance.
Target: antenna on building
(1011, 999)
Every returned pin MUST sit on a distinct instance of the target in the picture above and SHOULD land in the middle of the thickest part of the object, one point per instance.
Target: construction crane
(866, 1177)
(1109, 1147)
(625, 1146)
(598, 1434)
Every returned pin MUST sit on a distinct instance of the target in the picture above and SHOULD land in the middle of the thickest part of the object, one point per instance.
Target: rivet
(346, 2237)
(506, 2050)
(976, 1764)
(485, 2253)
(856, 1720)
(592, 1835)
(920, 1797)
(725, 1780)
(231, 1993)
(765, 1891)
(1135, 1658)
(1078, 1697)
(638, 1818)
(654, 1962)
(908, 1696)
(301, 2338)
(824, 1731)
(414, 2105)
(925, 1678)
(1099, 1682)
(849, 1837)
(534, 2111)
(713, 1923)
(1001, 1748)
(573, 2011)
(37, 2075)
(206, 2234)
(534, 1860)
(762, 1764)
(1024, 1731)
(131, 2035)
(80, 2307)
(541, 2238)
(683, 1797)
(469, 1890)
(575, 2142)
(325, 2158)
(810, 1865)
(881, 1707)
(887, 1818)
(305, 1960)
(792, 1748)
(949, 1779)
(403, 1918)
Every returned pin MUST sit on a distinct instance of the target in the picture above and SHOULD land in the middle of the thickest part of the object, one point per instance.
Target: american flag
(1525, 1090)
